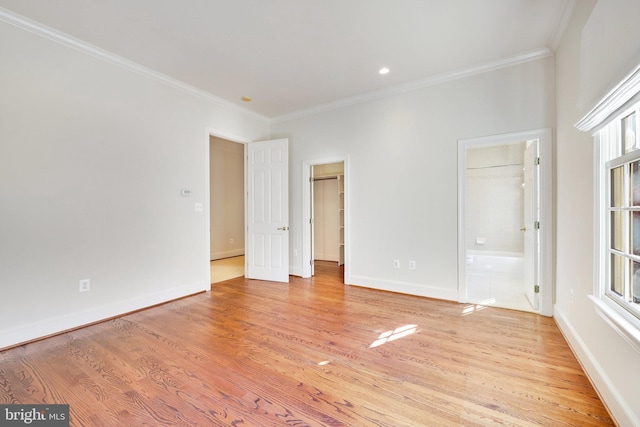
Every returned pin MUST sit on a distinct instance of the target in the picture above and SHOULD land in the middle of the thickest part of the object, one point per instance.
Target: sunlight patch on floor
(394, 334)
(476, 307)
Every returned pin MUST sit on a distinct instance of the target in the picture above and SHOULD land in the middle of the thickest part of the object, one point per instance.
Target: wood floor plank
(310, 353)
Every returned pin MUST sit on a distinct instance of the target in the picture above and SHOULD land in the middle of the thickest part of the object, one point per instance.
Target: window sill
(618, 321)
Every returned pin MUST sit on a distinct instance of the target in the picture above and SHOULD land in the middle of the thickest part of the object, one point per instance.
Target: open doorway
(495, 252)
(227, 206)
(327, 224)
(325, 210)
(504, 221)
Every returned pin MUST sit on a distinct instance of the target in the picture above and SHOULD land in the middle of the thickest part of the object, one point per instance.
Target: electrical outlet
(412, 265)
(396, 263)
(232, 241)
(85, 285)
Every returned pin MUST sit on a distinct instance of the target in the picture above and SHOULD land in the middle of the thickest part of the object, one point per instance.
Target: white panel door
(531, 218)
(267, 254)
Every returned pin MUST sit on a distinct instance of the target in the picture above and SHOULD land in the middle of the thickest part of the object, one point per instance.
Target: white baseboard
(226, 254)
(405, 288)
(501, 254)
(327, 257)
(615, 401)
(51, 326)
(295, 271)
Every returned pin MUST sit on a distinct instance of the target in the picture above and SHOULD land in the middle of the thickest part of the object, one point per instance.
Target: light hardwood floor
(310, 353)
(227, 268)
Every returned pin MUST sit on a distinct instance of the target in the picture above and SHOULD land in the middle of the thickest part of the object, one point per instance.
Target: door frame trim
(544, 135)
(306, 214)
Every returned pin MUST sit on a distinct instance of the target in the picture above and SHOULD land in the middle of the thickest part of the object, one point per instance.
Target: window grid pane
(628, 133)
(617, 274)
(634, 232)
(617, 230)
(617, 186)
(635, 290)
(620, 150)
(634, 189)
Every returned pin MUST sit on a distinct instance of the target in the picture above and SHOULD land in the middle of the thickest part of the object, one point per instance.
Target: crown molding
(51, 34)
(617, 98)
(420, 84)
(561, 24)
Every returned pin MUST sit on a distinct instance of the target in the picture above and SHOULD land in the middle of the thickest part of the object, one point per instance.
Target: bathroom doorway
(503, 237)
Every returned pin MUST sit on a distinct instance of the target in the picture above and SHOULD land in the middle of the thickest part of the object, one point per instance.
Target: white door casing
(312, 221)
(267, 255)
(531, 218)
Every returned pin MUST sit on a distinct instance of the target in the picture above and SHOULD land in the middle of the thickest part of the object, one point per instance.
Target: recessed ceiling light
(384, 70)
(246, 98)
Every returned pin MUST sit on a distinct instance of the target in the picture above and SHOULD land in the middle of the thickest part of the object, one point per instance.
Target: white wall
(608, 49)
(402, 176)
(227, 198)
(495, 199)
(599, 47)
(92, 160)
(93, 157)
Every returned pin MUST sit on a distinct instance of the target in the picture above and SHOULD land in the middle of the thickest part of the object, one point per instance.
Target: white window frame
(612, 140)
(604, 122)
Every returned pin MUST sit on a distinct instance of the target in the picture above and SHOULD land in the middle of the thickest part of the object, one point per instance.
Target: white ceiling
(296, 55)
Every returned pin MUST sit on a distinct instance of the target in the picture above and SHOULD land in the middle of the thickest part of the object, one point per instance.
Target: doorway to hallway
(226, 209)
(261, 214)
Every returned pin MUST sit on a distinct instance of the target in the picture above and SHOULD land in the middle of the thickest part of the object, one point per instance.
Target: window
(620, 153)
(615, 123)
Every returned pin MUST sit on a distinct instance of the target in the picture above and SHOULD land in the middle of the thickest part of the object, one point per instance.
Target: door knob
(523, 229)
(283, 228)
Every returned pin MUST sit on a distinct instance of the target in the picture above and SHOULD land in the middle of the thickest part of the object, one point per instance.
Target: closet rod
(496, 166)
(325, 178)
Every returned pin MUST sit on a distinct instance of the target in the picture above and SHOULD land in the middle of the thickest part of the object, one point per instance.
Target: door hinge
(537, 161)
(536, 289)
(536, 225)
